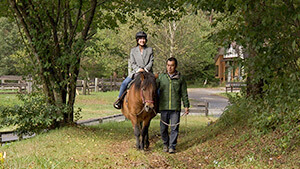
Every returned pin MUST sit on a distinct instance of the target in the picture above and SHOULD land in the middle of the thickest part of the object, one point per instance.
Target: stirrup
(117, 104)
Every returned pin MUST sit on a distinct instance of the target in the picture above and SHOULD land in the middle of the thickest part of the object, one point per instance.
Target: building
(228, 66)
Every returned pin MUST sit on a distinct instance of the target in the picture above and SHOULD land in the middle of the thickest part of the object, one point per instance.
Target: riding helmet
(141, 34)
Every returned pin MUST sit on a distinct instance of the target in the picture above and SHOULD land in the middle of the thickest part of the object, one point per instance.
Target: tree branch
(73, 31)
(89, 20)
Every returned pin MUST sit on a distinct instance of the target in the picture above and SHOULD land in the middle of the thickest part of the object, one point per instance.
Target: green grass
(9, 100)
(109, 145)
(230, 94)
(8, 91)
(96, 105)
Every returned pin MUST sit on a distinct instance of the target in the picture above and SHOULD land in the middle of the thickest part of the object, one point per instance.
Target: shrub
(33, 116)
(277, 108)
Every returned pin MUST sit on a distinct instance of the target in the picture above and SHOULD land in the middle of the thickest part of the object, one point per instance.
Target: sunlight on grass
(97, 105)
(108, 145)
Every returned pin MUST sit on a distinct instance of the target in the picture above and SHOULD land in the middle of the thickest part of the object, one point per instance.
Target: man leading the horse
(172, 89)
(141, 59)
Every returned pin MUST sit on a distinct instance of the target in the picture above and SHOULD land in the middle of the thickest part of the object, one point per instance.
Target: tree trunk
(56, 41)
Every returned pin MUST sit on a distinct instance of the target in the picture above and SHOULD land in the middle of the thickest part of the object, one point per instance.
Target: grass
(229, 94)
(94, 105)
(8, 91)
(111, 145)
(9, 100)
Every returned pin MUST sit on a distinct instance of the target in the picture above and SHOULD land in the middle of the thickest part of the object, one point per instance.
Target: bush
(277, 109)
(33, 116)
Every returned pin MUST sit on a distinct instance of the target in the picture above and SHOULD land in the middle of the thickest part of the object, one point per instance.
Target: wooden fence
(99, 84)
(86, 86)
(10, 82)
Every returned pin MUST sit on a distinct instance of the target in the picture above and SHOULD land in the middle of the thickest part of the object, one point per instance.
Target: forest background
(107, 52)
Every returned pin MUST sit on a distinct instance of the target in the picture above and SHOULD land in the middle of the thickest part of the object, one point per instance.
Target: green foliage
(104, 56)
(185, 38)
(269, 33)
(276, 110)
(34, 115)
(10, 43)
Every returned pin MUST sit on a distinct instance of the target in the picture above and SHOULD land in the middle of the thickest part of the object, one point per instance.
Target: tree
(271, 38)
(55, 33)
(187, 40)
(10, 43)
(269, 31)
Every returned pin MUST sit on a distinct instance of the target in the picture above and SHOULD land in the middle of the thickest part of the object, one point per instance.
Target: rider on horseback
(141, 59)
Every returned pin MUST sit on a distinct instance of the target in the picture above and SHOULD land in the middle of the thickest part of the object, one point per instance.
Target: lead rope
(171, 125)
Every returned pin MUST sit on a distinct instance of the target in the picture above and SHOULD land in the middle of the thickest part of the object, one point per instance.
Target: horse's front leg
(145, 135)
(137, 134)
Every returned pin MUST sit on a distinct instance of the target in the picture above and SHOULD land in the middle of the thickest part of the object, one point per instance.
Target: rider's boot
(117, 103)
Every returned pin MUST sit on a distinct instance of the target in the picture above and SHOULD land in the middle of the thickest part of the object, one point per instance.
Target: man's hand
(186, 110)
(141, 70)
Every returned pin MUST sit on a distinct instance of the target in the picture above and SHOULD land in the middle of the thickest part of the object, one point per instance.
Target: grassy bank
(230, 142)
(111, 145)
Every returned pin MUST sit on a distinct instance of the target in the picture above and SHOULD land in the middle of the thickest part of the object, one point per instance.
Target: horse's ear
(156, 75)
(142, 77)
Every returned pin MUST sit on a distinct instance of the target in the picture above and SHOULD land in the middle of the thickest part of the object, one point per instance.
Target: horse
(139, 106)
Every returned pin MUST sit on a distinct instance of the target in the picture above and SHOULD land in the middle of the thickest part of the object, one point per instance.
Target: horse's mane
(149, 79)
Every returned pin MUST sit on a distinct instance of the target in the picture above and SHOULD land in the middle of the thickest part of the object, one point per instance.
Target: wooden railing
(234, 85)
(11, 82)
(99, 84)
(86, 86)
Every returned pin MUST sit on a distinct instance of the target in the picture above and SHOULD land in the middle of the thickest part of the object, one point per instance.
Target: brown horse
(139, 106)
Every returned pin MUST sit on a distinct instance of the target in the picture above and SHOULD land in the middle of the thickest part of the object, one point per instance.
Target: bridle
(145, 101)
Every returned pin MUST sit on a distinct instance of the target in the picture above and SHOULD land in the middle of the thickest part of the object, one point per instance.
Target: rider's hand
(141, 70)
(186, 110)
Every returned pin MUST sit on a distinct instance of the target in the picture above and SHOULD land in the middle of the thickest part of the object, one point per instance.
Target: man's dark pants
(174, 117)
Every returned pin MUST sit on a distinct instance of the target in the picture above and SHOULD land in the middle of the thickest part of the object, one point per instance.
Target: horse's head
(147, 86)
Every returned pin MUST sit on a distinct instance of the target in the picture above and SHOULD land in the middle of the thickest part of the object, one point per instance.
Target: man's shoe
(172, 151)
(165, 149)
(117, 104)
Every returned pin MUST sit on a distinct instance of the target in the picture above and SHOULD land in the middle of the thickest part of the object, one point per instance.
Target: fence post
(111, 83)
(0, 139)
(96, 85)
(206, 108)
(102, 84)
(115, 83)
(29, 85)
(2, 81)
(84, 87)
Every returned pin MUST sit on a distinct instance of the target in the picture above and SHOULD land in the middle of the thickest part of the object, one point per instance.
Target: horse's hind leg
(137, 135)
